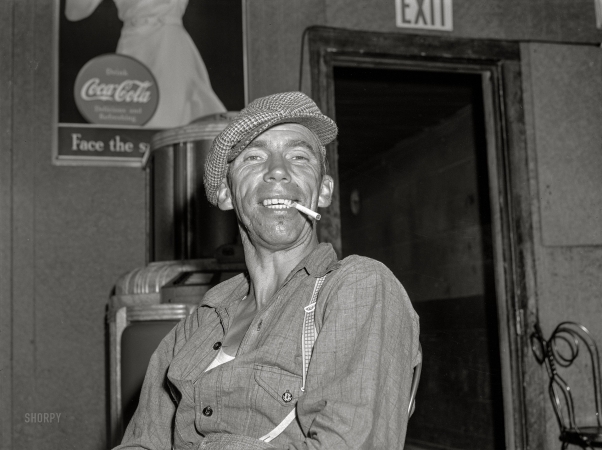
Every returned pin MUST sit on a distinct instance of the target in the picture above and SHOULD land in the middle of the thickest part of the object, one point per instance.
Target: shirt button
(207, 411)
(217, 346)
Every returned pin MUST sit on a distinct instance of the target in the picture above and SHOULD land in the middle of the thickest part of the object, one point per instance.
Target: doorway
(414, 194)
(431, 178)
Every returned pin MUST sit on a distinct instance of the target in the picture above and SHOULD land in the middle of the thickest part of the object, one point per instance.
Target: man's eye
(252, 158)
(300, 158)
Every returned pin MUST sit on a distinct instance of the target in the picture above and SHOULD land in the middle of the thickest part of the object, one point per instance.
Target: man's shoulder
(363, 282)
(357, 272)
(363, 265)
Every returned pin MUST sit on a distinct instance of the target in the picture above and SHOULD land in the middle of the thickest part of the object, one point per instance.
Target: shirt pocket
(278, 388)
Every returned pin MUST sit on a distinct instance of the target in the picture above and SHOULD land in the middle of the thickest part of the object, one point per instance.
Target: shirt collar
(319, 262)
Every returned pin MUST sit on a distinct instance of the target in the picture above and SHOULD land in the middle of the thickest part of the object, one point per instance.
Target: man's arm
(362, 365)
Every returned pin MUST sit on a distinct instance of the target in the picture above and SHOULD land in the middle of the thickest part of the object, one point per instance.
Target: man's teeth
(277, 203)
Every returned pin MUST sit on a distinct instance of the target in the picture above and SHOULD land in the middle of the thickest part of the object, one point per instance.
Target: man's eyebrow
(301, 143)
(261, 143)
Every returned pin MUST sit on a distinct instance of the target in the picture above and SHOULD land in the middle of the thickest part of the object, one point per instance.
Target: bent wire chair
(560, 351)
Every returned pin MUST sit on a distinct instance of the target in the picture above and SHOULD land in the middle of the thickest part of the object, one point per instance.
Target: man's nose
(277, 170)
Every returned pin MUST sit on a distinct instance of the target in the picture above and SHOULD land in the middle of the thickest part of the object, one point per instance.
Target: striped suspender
(309, 337)
(310, 333)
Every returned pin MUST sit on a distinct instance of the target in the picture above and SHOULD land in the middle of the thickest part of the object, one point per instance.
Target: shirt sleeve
(361, 370)
(151, 425)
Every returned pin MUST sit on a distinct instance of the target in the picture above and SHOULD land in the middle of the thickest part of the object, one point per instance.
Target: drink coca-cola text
(128, 91)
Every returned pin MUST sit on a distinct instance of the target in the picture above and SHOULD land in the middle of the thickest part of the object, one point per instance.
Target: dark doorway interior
(413, 174)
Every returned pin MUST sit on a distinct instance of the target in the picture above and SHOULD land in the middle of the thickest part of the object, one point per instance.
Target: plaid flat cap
(257, 117)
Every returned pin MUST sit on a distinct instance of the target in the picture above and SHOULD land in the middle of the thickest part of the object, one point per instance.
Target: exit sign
(424, 14)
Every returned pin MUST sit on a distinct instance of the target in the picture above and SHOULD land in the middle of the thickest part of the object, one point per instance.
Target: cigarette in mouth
(314, 215)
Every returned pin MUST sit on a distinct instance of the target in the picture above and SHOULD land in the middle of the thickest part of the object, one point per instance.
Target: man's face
(280, 166)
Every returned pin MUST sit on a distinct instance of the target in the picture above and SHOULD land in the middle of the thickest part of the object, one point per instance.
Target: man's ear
(326, 191)
(224, 196)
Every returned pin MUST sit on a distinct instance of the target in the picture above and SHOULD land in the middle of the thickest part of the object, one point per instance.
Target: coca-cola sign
(116, 89)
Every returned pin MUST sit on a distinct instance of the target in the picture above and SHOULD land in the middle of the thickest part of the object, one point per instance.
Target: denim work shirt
(358, 382)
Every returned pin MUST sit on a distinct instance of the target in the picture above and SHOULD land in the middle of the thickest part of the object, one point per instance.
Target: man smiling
(303, 351)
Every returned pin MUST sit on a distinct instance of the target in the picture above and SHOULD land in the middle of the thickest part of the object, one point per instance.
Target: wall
(275, 29)
(274, 32)
(568, 21)
(67, 233)
(6, 56)
(563, 106)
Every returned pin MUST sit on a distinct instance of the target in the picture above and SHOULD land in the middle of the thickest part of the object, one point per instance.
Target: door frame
(499, 64)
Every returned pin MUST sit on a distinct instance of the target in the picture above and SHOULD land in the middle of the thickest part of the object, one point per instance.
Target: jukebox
(192, 246)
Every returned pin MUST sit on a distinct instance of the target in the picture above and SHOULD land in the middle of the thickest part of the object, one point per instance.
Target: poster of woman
(194, 50)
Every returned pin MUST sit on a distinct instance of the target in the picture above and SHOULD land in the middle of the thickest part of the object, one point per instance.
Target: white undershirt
(221, 358)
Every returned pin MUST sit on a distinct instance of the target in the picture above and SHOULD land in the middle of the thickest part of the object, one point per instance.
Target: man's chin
(283, 239)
